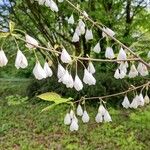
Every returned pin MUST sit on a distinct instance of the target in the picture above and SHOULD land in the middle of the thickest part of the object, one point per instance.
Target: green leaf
(53, 97)
(48, 107)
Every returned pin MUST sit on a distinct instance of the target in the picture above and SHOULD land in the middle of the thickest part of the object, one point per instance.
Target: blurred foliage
(15, 100)
(25, 127)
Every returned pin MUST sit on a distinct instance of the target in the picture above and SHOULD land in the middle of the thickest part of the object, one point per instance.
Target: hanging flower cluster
(137, 101)
(72, 120)
(66, 78)
(64, 75)
(121, 71)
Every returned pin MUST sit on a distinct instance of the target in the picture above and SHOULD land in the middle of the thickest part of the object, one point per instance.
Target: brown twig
(116, 94)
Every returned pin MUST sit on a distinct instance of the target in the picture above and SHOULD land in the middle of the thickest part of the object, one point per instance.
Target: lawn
(24, 127)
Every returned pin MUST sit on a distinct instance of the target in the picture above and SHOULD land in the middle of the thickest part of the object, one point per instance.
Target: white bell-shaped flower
(122, 55)
(67, 119)
(80, 29)
(126, 102)
(133, 72)
(31, 42)
(126, 64)
(88, 35)
(3, 59)
(107, 117)
(76, 119)
(78, 85)
(85, 117)
(134, 104)
(79, 110)
(81, 23)
(141, 100)
(75, 37)
(65, 78)
(108, 31)
(123, 67)
(142, 69)
(39, 72)
(97, 48)
(21, 61)
(70, 82)
(61, 71)
(88, 78)
(101, 110)
(65, 57)
(71, 19)
(52, 5)
(74, 125)
(77, 31)
(117, 74)
(91, 68)
(109, 53)
(99, 118)
(47, 70)
(146, 99)
(122, 74)
(72, 114)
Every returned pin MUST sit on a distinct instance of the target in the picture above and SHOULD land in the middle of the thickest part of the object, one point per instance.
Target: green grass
(24, 127)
